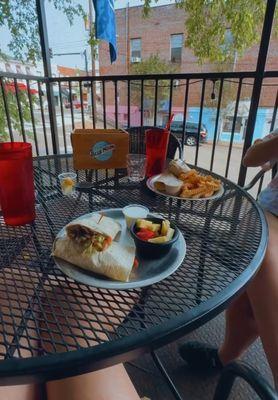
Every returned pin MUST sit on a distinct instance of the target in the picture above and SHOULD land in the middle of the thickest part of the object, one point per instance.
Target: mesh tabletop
(52, 326)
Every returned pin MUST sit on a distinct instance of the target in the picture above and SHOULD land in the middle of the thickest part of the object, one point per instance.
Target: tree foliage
(217, 29)
(20, 17)
(152, 65)
(13, 112)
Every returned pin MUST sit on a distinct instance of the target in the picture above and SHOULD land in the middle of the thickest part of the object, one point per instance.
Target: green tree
(152, 65)
(13, 111)
(20, 17)
(217, 29)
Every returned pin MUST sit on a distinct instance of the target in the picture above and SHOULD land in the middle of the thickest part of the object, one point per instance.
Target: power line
(68, 42)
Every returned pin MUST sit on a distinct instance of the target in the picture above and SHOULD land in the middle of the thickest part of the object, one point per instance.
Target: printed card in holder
(99, 148)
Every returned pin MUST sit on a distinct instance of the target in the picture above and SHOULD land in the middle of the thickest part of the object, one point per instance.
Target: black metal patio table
(53, 327)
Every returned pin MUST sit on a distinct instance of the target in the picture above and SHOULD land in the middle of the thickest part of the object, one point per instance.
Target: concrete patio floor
(192, 386)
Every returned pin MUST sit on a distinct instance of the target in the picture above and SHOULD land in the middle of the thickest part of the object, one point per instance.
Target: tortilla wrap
(96, 223)
(115, 262)
(178, 167)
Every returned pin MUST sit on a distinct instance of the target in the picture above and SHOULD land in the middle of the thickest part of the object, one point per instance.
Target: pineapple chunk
(165, 227)
(143, 223)
(154, 227)
(170, 234)
(159, 239)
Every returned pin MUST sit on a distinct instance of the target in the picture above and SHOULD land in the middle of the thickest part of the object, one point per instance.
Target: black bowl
(153, 250)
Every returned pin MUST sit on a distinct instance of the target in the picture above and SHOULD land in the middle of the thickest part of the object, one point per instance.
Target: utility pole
(92, 47)
(47, 73)
(86, 61)
(94, 109)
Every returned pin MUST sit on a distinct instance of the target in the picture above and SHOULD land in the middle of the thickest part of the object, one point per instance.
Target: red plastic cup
(17, 193)
(156, 149)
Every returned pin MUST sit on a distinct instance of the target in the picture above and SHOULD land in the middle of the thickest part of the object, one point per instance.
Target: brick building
(163, 33)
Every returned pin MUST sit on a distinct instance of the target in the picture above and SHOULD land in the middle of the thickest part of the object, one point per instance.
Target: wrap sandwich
(178, 167)
(115, 262)
(93, 233)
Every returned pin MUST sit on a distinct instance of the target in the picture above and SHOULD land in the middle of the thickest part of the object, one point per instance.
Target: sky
(70, 39)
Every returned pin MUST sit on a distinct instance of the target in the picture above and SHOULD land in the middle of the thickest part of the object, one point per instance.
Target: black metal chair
(253, 182)
(137, 143)
(250, 375)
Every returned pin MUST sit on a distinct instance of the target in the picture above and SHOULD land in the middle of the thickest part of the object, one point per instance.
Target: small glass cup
(136, 167)
(67, 182)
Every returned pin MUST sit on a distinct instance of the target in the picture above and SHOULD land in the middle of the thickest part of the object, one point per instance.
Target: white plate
(150, 183)
(148, 272)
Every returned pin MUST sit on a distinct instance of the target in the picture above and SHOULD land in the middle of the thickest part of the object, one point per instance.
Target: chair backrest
(137, 143)
(258, 176)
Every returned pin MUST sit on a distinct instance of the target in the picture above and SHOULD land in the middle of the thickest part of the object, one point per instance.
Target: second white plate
(150, 184)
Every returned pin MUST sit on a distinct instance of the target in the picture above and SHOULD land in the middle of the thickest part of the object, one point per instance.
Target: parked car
(191, 132)
(76, 104)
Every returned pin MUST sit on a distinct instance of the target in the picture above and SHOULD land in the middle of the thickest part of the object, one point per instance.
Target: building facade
(163, 34)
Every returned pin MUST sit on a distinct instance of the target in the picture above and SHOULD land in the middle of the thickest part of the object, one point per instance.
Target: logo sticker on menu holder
(102, 151)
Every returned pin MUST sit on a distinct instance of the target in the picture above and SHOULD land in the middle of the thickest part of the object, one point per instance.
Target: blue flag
(106, 24)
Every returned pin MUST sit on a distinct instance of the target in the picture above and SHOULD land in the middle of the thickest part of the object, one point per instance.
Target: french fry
(198, 186)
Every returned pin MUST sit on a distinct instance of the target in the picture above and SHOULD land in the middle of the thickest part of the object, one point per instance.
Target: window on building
(228, 124)
(8, 67)
(28, 70)
(176, 47)
(135, 50)
(18, 69)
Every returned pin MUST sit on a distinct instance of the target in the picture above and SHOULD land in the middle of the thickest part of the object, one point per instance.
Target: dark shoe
(200, 356)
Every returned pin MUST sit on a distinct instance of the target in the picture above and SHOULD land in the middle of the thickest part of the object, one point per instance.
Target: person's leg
(241, 329)
(20, 392)
(240, 332)
(108, 384)
(263, 296)
(16, 298)
(93, 327)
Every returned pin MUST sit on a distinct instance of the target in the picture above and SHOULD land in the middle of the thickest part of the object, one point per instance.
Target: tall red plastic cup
(156, 149)
(17, 193)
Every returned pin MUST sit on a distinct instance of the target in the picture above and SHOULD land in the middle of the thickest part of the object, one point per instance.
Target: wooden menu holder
(99, 148)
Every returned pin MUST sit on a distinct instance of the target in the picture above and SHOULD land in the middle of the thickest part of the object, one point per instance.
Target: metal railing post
(255, 99)
(48, 74)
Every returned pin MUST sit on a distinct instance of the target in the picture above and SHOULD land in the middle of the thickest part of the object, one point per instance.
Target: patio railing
(218, 102)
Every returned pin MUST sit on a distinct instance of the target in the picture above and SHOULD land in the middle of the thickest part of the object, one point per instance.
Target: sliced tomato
(145, 234)
(106, 243)
(109, 240)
